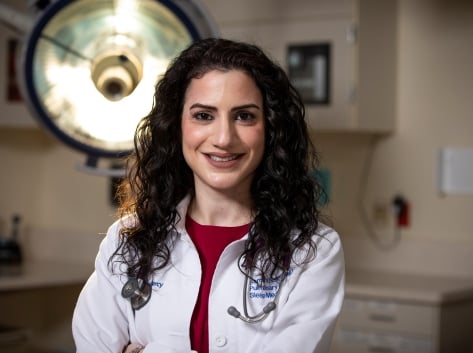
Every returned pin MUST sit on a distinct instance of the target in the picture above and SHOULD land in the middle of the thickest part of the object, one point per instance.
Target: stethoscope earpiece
(255, 318)
(269, 307)
(138, 295)
(233, 312)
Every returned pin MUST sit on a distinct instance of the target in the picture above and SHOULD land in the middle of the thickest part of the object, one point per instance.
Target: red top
(210, 242)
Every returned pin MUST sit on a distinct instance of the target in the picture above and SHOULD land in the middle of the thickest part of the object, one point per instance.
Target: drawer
(355, 341)
(389, 316)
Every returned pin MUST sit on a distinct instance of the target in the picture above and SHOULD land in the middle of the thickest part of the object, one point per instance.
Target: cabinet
(362, 36)
(37, 303)
(390, 313)
(370, 325)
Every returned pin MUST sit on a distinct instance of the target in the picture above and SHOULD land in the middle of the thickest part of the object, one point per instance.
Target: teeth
(223, 159)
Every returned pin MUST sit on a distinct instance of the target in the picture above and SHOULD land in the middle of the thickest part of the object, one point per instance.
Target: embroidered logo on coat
(268, 288)
(156, 284)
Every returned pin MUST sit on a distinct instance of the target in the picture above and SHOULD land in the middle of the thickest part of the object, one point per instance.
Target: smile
(223, 158)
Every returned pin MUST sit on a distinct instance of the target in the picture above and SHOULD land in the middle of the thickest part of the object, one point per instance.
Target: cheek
(185, 139)
(188, 133)
(192, 138)
(257, 143)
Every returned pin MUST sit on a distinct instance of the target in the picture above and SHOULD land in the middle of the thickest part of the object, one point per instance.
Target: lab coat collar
(182, 208)
(230, 254)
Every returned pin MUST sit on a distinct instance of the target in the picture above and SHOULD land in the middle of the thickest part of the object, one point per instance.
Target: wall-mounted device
(88, 68)
(309, 71)
(455, 171)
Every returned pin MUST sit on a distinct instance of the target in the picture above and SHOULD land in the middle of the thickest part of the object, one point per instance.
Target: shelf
(40, 274)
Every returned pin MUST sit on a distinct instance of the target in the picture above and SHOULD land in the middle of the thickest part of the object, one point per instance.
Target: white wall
(434, 110)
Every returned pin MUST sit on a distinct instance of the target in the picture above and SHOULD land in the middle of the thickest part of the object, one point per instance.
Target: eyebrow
(210, 107)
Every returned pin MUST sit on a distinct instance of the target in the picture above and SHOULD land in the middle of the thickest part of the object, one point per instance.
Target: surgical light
(89, 67)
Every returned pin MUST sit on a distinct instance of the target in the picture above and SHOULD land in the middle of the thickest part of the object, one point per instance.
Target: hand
(133, 348)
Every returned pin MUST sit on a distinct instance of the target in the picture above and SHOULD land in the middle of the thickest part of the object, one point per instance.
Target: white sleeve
(306, 321)
(100, 321)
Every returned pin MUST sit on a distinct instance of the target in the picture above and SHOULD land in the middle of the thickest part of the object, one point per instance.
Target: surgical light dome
(89, 67)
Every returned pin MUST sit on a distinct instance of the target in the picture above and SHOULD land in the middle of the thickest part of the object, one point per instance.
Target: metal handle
(382, 317)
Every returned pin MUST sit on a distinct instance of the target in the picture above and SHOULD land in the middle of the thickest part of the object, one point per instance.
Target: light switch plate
(456, 171)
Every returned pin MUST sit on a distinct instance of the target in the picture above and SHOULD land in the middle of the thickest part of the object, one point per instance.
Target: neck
(220, 210)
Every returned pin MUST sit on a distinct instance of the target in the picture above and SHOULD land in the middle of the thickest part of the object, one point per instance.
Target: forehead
(216, 84)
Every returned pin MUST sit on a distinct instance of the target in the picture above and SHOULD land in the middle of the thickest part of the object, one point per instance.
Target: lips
(227, 158)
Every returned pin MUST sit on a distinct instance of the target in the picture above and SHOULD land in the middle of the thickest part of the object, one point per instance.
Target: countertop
(36, 274)
(423, 289)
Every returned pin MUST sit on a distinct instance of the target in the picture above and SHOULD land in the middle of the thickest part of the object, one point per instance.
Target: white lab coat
(303, 321)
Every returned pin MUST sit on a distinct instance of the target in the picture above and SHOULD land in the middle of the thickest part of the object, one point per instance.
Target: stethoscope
(253, 318)
(139, 293)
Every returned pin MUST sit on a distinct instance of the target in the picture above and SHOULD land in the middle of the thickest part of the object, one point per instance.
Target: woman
(220, 217)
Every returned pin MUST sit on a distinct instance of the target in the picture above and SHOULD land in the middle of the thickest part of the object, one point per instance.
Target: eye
(245, 116)
(202, 116)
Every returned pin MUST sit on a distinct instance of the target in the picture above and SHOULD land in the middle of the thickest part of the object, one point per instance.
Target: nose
(224, 132)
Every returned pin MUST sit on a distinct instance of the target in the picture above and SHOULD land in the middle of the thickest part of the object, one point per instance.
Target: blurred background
(387, 85)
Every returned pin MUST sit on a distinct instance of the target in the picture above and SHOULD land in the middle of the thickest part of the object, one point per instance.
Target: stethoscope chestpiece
(138, 294)
(130, 287)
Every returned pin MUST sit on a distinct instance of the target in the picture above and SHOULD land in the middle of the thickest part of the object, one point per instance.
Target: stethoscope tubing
(139, 295)
(246, 317)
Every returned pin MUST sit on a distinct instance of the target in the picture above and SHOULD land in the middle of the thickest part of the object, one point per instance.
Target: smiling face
(223, 131)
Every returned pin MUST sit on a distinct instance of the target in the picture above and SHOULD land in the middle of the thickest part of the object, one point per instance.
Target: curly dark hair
(284, 195)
